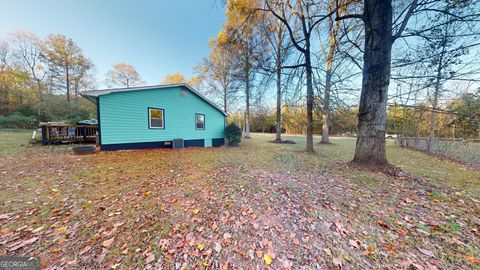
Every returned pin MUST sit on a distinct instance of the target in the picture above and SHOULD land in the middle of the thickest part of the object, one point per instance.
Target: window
(199, 121)
(156, 118)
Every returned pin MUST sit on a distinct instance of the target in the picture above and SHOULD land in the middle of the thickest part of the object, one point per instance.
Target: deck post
(84, 133)
(44, 135)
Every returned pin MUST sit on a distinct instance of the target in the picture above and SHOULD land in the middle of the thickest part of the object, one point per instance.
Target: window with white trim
(156, 118)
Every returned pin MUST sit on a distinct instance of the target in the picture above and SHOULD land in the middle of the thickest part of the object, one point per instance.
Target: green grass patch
(14, 140)
(439, 195)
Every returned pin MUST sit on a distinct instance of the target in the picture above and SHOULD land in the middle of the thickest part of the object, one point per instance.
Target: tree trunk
(278, 136)
(278, 60)
(326, 105)
(225, 99)
(244, 121)
(404, 124)
(247, 111)
(431, 135)
(436, 96)
(332, 34)
(75, 90)
(68, 83)
(372, 116)
(308, 71)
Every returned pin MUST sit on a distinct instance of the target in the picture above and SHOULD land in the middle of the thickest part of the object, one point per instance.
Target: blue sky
(156, 37)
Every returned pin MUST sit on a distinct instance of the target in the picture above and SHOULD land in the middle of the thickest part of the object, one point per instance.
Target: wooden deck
(55, 134)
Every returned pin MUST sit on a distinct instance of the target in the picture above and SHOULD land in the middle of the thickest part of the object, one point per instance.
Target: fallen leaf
(218, 247)
(473, 259)
(118, 224)
(38, 229)
(150, 258)
(55, 250)
(6, 233)
(201, 246)
(401, 232)
(353, 243)
(382, 224)
(21, 244)
(408, 200)
(287, 264)
(390, 248)
(85, 250)
(427, 252)
(5, 216)
(267, 259)
(102, 255)
(196, 211)
(369, 250)
(340, 227)
(61, 241)
(337, 262)
(108, 243)
(296, 241)
(59, 230)
(227, 236)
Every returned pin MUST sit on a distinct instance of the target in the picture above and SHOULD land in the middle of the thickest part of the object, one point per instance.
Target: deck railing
(68, 134)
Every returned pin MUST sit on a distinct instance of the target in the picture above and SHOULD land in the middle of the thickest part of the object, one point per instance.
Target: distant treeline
(461, 119)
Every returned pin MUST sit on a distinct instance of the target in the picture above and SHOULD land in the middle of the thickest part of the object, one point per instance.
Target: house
(153, 116)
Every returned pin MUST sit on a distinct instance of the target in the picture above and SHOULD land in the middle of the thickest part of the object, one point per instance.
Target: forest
(297, 67)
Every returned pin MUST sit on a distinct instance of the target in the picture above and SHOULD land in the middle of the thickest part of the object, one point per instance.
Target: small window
(199, 121)
(156, 118)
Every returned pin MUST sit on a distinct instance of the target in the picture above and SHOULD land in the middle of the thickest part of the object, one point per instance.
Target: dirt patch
(283, 142)
(385, 168)
(326, 144)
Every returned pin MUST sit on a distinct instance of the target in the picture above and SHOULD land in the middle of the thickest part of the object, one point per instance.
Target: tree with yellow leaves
(240, 34)
(68, 67)
(173, 78)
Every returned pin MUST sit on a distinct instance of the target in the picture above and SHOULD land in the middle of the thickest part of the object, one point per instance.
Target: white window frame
(150, 118)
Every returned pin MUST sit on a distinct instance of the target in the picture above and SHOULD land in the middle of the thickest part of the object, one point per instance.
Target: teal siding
(124, 116)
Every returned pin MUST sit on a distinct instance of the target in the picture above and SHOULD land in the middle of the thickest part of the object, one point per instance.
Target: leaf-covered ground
(257, 206)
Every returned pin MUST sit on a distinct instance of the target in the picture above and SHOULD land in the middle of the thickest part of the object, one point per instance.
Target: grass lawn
(13, 140)
(260, 205)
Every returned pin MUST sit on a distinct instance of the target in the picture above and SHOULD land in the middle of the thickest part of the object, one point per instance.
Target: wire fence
(465, 150)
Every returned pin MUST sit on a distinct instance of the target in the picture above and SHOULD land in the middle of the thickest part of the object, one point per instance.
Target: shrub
(75, 116)
(233, 135)
(17, 120)
(56, 108)
(27, 110)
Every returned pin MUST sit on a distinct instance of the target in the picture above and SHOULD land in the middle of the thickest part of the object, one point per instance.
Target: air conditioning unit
(178, 143)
